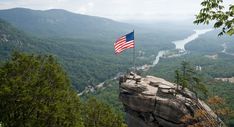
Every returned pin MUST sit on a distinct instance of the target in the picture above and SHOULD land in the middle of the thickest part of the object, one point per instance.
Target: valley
(85, 50)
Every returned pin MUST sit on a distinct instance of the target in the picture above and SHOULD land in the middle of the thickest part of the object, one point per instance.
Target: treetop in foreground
(213, 10)
(35, 92)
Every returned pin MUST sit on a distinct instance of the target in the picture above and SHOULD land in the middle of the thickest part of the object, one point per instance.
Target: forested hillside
(210, 43)
(85, 61)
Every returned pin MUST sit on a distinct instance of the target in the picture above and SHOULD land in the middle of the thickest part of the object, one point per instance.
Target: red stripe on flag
(120, 45)
(124, 47)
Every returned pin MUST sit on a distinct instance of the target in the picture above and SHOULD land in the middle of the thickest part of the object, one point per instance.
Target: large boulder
(155, 102)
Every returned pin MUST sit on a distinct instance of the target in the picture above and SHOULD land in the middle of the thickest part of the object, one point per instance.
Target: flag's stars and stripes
(124, 42)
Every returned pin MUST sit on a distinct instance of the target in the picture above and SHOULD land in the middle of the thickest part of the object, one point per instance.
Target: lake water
(181, 43)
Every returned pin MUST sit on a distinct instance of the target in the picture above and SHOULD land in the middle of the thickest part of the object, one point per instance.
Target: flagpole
(134, 54)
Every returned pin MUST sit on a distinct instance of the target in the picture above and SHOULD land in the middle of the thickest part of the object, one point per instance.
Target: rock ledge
(155, 102)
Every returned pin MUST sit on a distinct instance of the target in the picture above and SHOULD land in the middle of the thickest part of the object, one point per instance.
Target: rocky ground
(155, 102)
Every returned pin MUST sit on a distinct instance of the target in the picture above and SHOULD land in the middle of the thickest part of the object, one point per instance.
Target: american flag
(124, 42)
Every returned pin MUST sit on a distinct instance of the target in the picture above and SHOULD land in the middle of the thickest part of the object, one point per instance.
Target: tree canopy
(98, 114)
(213, 10)
(35, 92)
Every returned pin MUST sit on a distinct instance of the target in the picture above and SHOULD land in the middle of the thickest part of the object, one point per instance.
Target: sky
(121, 10)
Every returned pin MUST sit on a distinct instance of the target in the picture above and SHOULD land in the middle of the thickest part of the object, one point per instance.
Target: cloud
(147, 9)
(118, 9)
(83, 9)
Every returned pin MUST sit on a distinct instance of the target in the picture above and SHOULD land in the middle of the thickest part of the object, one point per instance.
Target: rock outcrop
(155, 102)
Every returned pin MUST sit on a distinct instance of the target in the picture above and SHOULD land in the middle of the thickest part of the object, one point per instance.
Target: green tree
(98, 114)
(187, 73)
(213, 10)
(178, 79)
(199, 86)
(35, 92)
(187, 77)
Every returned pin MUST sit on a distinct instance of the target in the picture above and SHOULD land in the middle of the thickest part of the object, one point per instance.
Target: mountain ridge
(61, 23)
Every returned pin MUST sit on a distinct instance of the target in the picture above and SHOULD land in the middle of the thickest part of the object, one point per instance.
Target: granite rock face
(155, 102)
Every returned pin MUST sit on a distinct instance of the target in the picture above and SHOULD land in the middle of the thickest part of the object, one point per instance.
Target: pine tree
(188, 78)
(177, 78)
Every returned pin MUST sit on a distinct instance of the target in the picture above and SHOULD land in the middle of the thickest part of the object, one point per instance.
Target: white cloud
(85, 8)
(118, 9)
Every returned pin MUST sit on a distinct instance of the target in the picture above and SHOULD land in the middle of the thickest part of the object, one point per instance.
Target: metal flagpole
(134, 54)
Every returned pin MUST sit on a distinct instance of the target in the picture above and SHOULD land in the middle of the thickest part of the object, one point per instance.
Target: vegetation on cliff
(188, 77)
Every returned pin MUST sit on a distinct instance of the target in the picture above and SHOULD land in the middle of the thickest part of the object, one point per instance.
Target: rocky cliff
(155, 102)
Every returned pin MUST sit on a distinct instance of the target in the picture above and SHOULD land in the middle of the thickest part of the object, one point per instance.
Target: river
(179, 45)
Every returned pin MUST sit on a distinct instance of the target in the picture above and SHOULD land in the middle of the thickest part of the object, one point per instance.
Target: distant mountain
(62, 23)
